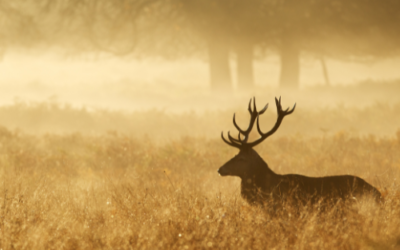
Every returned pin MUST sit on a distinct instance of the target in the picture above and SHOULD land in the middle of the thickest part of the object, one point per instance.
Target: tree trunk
(245, 74)
(290, 65)
(325, 71)
(220, 75)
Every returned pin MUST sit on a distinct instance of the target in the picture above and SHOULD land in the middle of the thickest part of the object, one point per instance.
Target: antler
(241, 144)
(253, 116)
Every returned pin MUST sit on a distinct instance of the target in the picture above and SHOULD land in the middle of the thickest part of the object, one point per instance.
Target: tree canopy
(345, 30)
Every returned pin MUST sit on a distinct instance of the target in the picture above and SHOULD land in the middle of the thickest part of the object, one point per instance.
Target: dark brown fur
(259, 182)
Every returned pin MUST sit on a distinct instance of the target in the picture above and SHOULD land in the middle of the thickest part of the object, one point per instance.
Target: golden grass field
(125, 190)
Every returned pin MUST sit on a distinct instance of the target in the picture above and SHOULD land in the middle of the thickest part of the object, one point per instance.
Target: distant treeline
(212, 30)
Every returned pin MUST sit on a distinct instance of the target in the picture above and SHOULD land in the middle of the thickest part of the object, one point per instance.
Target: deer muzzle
(222, 171)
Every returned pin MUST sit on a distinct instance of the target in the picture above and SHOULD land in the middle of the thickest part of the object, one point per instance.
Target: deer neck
(256, 184)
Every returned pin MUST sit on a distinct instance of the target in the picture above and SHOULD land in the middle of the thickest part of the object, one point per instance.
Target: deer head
(248, 163)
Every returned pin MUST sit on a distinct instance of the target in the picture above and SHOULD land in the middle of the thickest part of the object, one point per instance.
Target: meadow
(152, 182)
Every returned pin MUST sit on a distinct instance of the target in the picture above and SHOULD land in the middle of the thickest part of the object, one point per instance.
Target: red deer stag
(259, 182)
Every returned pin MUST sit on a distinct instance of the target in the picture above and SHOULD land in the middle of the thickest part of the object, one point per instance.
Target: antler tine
(258, 126)
(281, 115)
(249, 106)
(263, 110)
(279, 108)
(291, 111)
(239, 136)
(253, 117)
(229, 143)
(237, 127)
(278, 103)
(254, 105)
(233, 140)
(287, 110)
(258, 119)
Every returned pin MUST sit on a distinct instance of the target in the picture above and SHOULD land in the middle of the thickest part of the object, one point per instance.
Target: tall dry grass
(113, 191)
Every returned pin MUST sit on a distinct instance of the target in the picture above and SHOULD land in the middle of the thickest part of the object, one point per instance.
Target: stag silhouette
(260, 183)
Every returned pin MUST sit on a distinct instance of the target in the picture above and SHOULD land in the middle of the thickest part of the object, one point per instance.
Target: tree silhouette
(212, 30)
(356, 30)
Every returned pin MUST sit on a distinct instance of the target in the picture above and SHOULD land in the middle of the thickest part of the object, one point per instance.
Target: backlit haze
(109, 82)
(111, 113)
(176, 68)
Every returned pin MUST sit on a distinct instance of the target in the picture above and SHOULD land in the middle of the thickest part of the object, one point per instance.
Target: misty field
(111, 114)
(112, 190)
